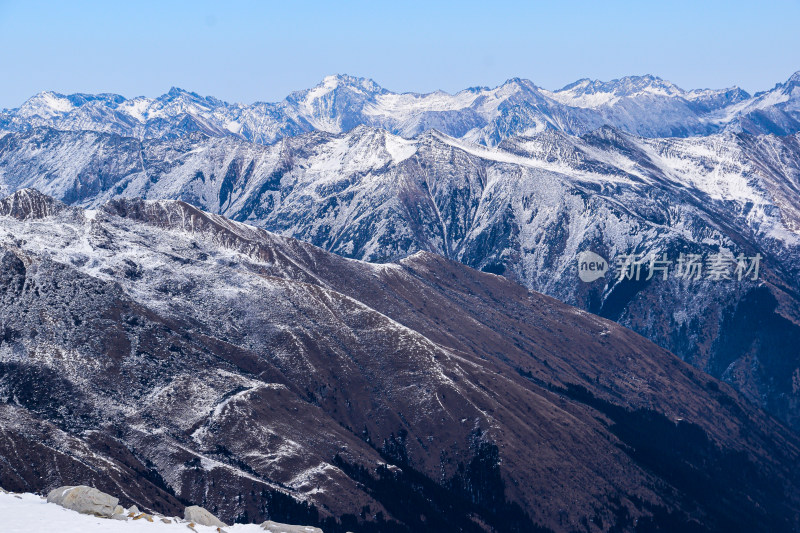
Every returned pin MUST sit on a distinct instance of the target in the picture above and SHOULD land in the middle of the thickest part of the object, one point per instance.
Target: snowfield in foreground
(30, 513)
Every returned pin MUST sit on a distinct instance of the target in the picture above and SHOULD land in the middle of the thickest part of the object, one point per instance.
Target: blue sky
(250, 51)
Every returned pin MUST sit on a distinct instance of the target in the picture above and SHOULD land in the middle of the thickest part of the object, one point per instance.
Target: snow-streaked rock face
(158, 352)
(524, 209)
(643, 105)
(30, 203)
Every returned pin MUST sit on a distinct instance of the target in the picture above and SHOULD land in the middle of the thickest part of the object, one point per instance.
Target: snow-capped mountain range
(275, 301)
(515, 180)
(643, 105)
(524, 209)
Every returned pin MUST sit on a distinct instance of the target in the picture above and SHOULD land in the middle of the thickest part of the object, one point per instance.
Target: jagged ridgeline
(642, 105)
(173, 357)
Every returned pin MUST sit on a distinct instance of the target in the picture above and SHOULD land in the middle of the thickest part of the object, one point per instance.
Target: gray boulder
(83, 499)
(199, 515)
(275, 527)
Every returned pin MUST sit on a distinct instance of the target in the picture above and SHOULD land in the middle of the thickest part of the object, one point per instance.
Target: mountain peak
(581, 83)
(30, 204)
(634, 84)
(335, 81)
(47, 103)
(625, 86)
(794, 80)
(520, 82)
(176, 91)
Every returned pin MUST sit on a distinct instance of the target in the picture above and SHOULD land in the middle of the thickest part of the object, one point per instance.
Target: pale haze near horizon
(261, 51)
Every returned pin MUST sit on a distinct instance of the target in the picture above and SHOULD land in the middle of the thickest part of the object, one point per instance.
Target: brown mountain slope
(180, 357)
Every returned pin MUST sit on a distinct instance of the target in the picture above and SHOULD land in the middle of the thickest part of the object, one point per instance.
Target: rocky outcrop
(202, 516)
(85, 500)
